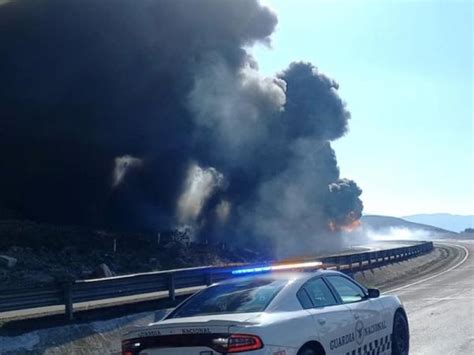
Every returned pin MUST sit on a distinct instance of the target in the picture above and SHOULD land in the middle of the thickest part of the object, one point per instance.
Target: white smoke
(397, 233)
(223, 211)
(200, 185)
(234, 106)
(122, 166)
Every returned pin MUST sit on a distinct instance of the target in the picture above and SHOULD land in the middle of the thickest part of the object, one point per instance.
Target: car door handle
(322, 321)
(356, 316)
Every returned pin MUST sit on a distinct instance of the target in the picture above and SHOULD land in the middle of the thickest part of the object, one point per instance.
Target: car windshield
(241, 296)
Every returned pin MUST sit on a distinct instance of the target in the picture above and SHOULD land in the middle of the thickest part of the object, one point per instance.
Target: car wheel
(307, 351)
(401, 335)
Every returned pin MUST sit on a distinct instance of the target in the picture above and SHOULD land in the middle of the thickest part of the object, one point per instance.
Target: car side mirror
(373, 293)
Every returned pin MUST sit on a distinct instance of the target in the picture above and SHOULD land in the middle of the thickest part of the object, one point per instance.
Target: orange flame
(333, 227)
(352, 226)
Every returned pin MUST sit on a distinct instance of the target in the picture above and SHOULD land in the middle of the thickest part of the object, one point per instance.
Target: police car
(303, 313)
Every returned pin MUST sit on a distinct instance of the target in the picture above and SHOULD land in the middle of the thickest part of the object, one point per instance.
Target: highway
(441, 308)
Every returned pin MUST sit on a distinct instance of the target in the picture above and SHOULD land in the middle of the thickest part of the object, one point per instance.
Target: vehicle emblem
(359, 330)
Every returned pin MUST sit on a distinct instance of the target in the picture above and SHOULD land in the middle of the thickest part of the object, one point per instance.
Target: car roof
(285, 300)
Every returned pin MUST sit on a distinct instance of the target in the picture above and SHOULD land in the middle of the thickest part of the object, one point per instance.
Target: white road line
(436, 275)
(446, 298)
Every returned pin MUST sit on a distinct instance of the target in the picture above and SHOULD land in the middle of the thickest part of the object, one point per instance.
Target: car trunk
(199, 336)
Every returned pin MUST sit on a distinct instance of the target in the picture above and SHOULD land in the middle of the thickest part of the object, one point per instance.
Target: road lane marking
(436, 275)
(446, 298)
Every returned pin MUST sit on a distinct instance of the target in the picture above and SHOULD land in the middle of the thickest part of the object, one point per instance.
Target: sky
(405, 71)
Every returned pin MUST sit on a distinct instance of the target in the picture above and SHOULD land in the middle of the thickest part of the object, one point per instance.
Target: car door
(333, 321)
(366, 312)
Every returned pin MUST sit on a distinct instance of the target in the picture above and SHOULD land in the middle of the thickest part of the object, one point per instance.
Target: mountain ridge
(448, 221)
(382, 222)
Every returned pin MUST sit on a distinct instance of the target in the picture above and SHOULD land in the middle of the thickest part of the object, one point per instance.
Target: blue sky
(405, 70)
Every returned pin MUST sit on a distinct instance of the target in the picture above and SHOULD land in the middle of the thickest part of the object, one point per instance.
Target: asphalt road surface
(440, 308)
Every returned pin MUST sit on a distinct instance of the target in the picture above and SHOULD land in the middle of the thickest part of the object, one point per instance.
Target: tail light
(223, 343)
(130, 347)
(236, 343)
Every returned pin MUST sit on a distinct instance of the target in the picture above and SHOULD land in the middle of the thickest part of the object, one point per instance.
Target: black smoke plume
(152, 114)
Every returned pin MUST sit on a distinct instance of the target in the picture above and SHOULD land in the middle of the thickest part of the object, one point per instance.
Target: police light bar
(252, 270)
(269, 268)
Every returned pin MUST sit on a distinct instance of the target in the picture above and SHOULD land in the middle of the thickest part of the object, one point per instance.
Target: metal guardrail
(171, 280)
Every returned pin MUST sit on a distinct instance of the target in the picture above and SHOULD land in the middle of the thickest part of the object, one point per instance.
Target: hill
(383, 222)
(451, 222)
(47, 253)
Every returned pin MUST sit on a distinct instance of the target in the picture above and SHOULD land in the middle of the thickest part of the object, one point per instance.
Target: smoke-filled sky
(406, 72)
(153, 114)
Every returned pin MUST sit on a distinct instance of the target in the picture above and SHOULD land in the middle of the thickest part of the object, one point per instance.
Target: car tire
(401, 334)
(307, 351)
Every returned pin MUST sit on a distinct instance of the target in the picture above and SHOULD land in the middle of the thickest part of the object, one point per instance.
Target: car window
(252, 295)
(347, 290)
(319, 293)
(304, 299)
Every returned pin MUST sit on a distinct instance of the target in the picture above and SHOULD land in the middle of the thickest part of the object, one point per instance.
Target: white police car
(322, 312)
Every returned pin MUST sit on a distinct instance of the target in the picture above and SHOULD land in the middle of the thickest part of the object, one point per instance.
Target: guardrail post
(350, 262)
(171, 288)
(338, 263)
(68, 304)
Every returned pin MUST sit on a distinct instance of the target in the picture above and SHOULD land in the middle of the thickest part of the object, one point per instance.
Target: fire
(353, 225)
